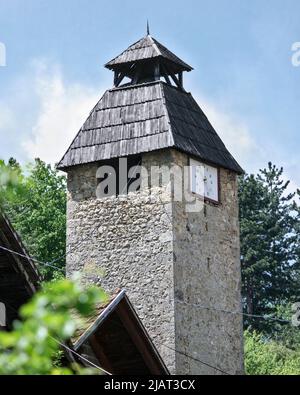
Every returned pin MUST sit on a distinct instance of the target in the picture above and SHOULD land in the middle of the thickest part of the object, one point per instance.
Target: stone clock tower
(177, 256)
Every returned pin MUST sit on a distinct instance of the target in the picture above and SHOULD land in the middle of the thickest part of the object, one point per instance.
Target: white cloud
(59, 108)
(45, 124)
(236, 135)
(233, 131)
(63, 109)
(65, 106)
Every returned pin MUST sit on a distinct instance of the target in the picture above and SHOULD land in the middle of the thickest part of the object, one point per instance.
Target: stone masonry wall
(126, 242)
(169, 261)
(208, 279)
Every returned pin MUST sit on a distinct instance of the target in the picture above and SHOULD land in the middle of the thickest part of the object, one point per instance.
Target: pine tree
(269, 220)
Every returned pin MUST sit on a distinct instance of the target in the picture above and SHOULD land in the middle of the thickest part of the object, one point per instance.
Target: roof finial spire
(148, 28)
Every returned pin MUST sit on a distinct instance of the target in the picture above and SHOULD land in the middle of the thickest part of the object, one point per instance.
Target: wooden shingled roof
(115, 339)
(145, 49)
(136, 119)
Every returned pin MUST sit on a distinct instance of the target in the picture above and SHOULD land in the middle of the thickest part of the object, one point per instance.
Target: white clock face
(204, 180)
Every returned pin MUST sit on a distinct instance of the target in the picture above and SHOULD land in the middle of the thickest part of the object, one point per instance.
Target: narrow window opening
(2, 315)
(125, 175)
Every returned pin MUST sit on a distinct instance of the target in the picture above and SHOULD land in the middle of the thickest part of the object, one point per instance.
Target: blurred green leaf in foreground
(51, 316)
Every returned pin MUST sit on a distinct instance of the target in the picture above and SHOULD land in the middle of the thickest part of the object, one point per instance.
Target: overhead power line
(202, 307)
(80, 356)
(183, 302)
(66, 347)
(196, 359)
(32, 259)
(177, 351)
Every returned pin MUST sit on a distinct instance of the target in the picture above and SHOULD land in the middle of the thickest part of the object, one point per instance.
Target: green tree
(11, 185)
(50, 318)
(39, 214)
(286, 334)
(269, 244)
(263, 357)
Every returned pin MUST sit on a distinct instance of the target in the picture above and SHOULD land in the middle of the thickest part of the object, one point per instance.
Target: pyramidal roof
(145, 49)
(136, 119)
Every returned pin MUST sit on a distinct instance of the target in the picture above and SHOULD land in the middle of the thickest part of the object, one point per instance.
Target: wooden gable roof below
(117, 341)
(19, 277)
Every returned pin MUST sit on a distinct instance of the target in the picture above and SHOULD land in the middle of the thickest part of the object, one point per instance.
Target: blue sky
(241, 52)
